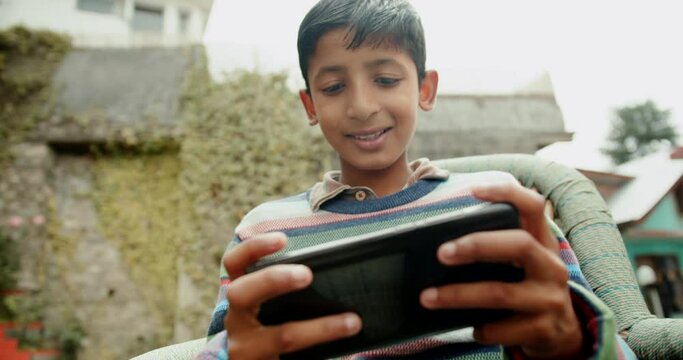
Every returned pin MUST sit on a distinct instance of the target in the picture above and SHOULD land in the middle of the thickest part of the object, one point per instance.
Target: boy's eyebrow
(329, 70)
(380, 62)
(370, 64)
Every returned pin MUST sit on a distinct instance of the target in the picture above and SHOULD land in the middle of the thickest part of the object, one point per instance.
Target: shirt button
(360, 195)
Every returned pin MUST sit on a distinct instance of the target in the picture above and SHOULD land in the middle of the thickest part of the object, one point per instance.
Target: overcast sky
(599, 54)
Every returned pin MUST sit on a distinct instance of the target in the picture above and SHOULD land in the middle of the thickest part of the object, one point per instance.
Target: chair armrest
(588, 225)
(181, 351)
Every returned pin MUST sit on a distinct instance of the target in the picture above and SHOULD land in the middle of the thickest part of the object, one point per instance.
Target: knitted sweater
(342, 216)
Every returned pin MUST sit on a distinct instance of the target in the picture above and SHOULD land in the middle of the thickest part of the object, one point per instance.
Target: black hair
(377, 22)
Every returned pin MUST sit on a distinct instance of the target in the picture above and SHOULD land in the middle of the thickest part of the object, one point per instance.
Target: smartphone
(380, 275)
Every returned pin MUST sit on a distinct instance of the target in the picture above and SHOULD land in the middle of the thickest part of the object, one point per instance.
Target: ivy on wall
(27, 61)
(169, 203)
(139, 206)
(246, 141)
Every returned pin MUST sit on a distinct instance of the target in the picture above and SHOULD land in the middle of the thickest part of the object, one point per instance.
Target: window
(100, 6)
(147, 18)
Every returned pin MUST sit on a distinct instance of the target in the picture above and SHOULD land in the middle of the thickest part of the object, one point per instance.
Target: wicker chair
(589, 227)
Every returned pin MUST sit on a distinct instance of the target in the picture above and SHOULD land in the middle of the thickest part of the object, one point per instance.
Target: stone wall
(90, 275)
(25, 196)
(46, 200)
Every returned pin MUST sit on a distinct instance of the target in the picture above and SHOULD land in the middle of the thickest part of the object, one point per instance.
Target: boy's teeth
(370, 136)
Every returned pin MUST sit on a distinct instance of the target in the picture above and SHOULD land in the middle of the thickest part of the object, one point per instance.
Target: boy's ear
(307, 101)
(428, 90)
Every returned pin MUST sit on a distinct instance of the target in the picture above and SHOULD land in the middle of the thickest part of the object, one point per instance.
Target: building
(464, 124)
(113, 23)
(645, 197)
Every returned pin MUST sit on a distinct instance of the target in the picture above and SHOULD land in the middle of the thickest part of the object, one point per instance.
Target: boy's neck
(383, 182)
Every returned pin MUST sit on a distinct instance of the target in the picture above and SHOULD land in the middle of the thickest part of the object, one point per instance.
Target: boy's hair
(377, 22)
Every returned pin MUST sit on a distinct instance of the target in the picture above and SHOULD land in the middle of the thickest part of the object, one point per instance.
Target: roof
(654, 176)
(519, 120)
(517, 112)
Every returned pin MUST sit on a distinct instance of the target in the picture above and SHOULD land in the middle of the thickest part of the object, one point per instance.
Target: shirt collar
(330, 187)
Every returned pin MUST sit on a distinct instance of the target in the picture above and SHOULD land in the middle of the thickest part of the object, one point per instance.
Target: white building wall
(59, 15)
(91, 29)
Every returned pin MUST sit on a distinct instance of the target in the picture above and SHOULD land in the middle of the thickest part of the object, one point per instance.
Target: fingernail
(274, 240)
(430, 296)
(448, 250)
(352, 323)
(299, 274)
(348, 324)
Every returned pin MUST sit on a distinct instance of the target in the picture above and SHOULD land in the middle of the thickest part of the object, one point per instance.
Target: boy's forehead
(339, 40)
(344, 37)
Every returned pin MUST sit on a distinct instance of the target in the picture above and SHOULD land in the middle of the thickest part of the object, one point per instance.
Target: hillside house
(645, 197)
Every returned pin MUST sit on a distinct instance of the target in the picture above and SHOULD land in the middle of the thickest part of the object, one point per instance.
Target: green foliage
(139, 205)
(167, 200)
(246, 141)
(9, 262)
(64, 333)
(27, 61)
(70, 339)
(243, 141)
(639, 130)
(9, 265)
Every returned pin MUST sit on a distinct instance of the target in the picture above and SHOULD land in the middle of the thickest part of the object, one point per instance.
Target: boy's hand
(247, 338)
(544, 324)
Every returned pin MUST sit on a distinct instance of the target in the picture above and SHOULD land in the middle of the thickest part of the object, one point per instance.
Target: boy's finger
(298, 335)
(248, 252)
(530, 204)
(269, 342)
(508, 246)
(528, 297)
(251, 290)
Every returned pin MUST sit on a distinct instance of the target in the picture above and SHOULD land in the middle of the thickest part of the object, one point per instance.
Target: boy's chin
(372, 165)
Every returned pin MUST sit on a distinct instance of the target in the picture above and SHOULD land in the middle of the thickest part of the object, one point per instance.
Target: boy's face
(365, 101)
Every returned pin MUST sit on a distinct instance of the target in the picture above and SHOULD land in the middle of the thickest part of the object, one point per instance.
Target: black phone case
(380, 276)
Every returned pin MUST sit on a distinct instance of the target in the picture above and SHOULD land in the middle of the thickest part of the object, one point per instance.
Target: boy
(364, 66)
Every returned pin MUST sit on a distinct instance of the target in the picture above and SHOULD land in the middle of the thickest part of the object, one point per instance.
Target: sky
(600, 55)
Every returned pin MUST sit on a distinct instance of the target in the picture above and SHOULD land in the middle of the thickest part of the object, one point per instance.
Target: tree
(639, 130)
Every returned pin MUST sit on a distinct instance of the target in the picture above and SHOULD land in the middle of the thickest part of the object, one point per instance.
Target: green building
(645, 197)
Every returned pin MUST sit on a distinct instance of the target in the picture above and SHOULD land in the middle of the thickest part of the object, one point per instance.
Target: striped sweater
(344, 215)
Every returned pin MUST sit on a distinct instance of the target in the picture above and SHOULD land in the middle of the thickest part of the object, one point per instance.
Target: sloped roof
(519, 120)
(654, 176)
(518, 112)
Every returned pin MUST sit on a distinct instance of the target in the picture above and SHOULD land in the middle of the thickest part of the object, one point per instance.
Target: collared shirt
(331, 187)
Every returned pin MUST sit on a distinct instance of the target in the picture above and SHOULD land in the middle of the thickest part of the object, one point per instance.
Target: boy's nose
(362, 104)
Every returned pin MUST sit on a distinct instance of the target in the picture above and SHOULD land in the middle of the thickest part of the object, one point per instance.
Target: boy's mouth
(368, 136)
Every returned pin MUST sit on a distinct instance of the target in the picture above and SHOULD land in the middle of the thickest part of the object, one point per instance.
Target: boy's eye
(386, 81)
(333, 89)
